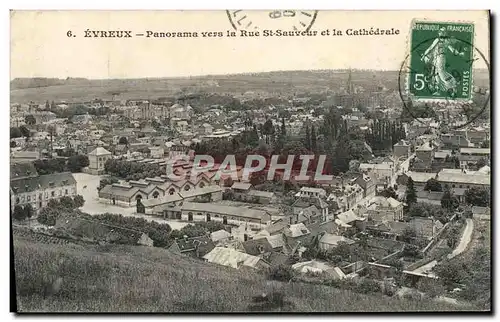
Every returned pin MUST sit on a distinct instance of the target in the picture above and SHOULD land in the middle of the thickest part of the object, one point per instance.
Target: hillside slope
(124, 278)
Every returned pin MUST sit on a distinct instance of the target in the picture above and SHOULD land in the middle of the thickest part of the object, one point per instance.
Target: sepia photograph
(250, 161)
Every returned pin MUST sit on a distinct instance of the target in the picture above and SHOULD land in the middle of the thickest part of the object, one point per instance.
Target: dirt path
(464, 240)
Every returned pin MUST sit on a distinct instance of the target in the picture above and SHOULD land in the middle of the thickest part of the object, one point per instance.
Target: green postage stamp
(441, 60)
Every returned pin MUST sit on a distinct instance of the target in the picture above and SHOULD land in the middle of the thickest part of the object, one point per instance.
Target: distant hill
(274, 83)
(146, 279)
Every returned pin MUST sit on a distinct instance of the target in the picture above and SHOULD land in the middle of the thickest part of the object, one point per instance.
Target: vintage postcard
(250, 161)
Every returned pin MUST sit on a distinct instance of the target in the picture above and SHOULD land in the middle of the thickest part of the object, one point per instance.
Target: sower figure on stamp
(435, 55)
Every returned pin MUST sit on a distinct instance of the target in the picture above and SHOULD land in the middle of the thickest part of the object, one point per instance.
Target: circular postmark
(301, 20)
(441, 78)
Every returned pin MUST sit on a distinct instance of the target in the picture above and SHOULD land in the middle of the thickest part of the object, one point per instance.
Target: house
(392, 230)
(205, 129)
(430, 197)
(384, 209)
(127, 194)
(193, 211)
(195, 246)
(235, 259)
(425, 227)
(401, 149)
(330, 241)
(261, 197)
(481, 213)
(303, 212)
(451, 140)
(425, 153)
(24, 156)
(38, 190)
(463, 180)
(382, 172)
(366, 182)
(419, 179)
(318, 267)
(346, 197)
(97, 160)
(308, 192)
(156, 152)
(256, 247)
(348, 220)
(240, 190)
(220, 236)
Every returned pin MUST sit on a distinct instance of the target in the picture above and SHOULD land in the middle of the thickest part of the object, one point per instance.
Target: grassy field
(141, 279)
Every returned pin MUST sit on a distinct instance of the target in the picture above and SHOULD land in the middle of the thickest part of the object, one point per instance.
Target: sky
(40, 46)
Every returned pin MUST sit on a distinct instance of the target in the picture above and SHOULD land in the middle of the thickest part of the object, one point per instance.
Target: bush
(281, 273)
(48, 216)
(367, 286)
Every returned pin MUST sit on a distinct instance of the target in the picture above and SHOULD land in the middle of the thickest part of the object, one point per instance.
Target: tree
(75, 163)
(228, 182)
(485, 144)
(123, 140)
(481, 163)
(30, 119)
(451, 272)
(389, 193)
(28, 211)
(408, 235)
(106, 181)
(66, 202)
(433, 185)
(19, 213)
(257, 178)
(411, 194)
(313, 139)
(53, 203)
(478, 197)
(25, 132)
(448, 201)
(15, 132)
(48, 216)
(78, 201)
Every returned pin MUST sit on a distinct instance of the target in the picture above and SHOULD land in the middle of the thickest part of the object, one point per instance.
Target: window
(202, 185)
(156, 194)
(40, 196)
(53, 194)
(187, 187)
(66, 191)
(28, 198)
(171, 191)
(17, 200)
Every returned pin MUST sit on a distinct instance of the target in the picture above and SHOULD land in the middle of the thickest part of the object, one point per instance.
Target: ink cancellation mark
(300, 20)
(440, 67)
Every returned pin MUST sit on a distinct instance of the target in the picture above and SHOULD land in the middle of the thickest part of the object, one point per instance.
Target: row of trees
(132, 170)
(74, 163)
(384, 134)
